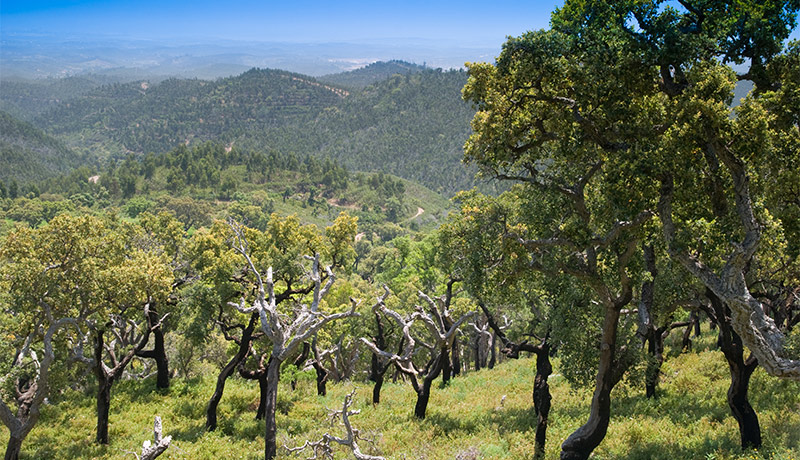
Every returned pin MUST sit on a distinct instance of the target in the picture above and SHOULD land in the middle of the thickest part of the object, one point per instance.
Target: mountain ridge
(412, 125)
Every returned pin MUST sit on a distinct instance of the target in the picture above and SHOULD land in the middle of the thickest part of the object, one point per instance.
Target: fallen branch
(151, 451)
(323, 446)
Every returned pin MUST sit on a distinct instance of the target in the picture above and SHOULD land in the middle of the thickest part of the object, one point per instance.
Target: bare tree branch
(352, 436)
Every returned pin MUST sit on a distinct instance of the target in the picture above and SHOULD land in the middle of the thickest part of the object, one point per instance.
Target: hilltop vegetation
(373, 73)
(411, 125)
(25, 99)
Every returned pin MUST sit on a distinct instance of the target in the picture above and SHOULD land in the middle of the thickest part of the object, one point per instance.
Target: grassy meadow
(690, 419)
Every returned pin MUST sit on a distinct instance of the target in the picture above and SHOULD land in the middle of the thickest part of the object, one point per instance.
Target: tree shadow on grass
(679, 409)
(450, 425)
(514, 420)
(189, 433)
(52, 448)
(662, 450)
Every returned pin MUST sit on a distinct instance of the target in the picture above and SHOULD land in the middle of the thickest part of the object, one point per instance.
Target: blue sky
(468, 22)
(464, 23)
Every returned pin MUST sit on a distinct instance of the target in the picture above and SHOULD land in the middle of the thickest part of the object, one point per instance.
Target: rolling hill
(27, 153)
(412, 125)
(371, 74)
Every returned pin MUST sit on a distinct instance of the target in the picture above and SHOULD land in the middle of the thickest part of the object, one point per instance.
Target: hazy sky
(468, 22)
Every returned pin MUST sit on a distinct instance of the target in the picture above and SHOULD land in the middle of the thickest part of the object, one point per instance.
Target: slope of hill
(373, 73)
(140, 117)
(25, 99)
(412, 125)
(480, 415)
(209, 181)
(26, 153)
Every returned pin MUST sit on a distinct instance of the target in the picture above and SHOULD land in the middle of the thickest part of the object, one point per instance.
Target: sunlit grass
(690, 419)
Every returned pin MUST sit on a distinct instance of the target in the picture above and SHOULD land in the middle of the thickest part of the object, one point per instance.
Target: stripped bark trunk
(655, 347)
(271, 428)
(103, 408)
(300, 361)
(227, 371)
(686, 341)
(447, 370)
(740, 370)
(13, 448)
(541, 397)
(476, 350)
(456, 357)
(260, 375)
(696, 323)
(541, 388)
(492, 351)
(103, 390)
(424, 391)
(158, 353)
(106, 376)
(322, 373)
(380, 372)
(262, 396)
(580, 444)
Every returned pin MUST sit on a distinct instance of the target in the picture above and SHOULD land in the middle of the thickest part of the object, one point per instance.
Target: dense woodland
(412, 123)
(266, 263)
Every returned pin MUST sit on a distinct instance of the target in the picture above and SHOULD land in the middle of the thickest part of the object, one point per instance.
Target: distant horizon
(51, 38)
(46, 55)
(470, 22)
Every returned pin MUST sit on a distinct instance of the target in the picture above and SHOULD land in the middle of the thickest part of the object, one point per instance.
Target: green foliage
(154, 117)
(416, 117)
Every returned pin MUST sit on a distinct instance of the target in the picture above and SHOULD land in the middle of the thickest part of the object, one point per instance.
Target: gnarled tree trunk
(580, 444)
(424, 391)
(260, 375)
(322, 373)
(741, 370)
(106, 376)
(456, 357)
(158, 353)
(227, 371)
(541, 397)
(103, 408)
(300, 361)
(13, 448)
(271, 428)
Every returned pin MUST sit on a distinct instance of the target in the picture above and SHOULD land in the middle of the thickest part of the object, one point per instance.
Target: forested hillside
(141, 118)
(26, 153)
(410, 125)
(25, 99)
(373, 73)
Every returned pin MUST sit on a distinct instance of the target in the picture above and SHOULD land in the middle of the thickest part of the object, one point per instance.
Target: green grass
(690, 419)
